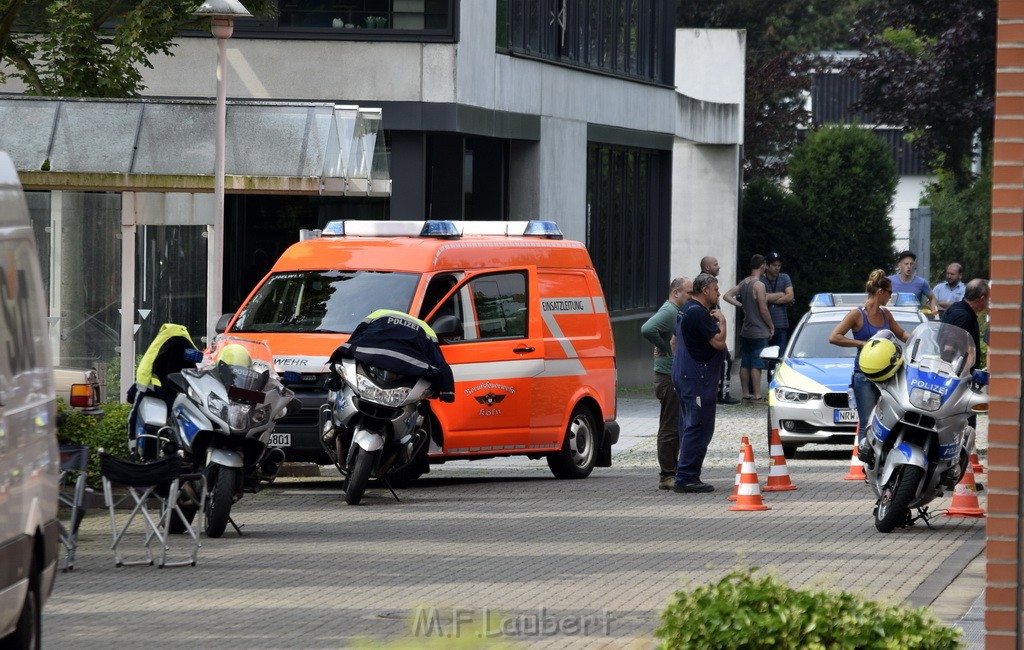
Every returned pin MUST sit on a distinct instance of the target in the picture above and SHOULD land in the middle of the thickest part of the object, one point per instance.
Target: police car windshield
(324, 301)
(811, 341)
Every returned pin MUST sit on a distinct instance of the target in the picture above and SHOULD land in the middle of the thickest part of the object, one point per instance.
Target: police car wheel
(579, 450)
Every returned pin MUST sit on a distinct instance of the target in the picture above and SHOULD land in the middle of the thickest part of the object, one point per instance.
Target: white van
(29, 459)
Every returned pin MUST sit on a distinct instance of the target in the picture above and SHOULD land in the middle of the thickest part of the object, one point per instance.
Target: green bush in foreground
(109, 433)
(743, 610)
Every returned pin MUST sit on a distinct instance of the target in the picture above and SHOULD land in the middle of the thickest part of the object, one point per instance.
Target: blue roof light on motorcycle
(542, 228)
(194, 355)
(441, 229)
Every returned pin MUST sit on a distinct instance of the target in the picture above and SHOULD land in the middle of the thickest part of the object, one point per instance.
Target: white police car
(807, 398)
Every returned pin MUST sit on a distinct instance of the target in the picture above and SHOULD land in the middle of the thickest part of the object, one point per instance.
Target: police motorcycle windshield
(243, 378)
(940, 350)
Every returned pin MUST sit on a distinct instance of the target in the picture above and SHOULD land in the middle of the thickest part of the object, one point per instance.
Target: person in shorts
(750, 296)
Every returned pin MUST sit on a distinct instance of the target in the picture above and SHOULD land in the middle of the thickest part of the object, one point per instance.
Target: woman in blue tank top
(864, 322)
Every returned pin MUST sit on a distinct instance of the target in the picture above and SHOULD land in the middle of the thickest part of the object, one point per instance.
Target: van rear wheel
(579, 450)
(28, 633)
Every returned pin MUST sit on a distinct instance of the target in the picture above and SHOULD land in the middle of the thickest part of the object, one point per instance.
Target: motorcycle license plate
(280, 440)
(845, 416)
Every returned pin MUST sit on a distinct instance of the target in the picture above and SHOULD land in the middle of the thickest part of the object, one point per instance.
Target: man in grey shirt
(659, 329)
(750, 295)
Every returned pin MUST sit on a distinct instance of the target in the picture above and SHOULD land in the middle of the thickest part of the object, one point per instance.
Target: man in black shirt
(964, 313)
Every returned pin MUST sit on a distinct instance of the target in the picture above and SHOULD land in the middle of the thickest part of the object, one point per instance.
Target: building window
(623, 206)
(356, 19)
(624, 37)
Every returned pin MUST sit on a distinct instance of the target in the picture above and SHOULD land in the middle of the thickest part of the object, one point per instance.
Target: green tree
(929, 67)
(774, 221)
(845, 179)
(961, 220)
(92, 48)
(782, 39)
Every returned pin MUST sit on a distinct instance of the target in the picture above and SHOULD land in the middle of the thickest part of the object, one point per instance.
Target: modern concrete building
(597, 114)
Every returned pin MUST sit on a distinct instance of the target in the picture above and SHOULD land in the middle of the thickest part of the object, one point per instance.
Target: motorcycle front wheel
(218, 501)
(894, 503)
(359, 475)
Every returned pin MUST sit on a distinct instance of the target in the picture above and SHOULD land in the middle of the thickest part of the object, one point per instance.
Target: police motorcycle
(918, 441)
(222, 412)
(377, 418)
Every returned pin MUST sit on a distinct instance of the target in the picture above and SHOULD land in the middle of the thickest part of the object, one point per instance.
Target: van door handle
(524, 349)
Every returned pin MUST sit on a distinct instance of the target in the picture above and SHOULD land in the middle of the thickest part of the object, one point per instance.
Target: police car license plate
(845, 416)
(280, 440)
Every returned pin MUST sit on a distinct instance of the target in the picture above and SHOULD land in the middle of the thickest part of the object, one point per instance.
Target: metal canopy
(169, 145)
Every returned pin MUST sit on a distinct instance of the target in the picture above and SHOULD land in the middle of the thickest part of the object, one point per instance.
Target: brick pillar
(1003, 617)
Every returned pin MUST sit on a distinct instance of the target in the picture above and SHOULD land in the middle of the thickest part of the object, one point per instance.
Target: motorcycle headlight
(260, 414)
(794, 396)
(217, 406)
(238, 416)
(385, 396)
(925, 399)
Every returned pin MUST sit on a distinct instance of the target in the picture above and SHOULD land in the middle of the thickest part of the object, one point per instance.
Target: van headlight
(925, 399)
(385, 396)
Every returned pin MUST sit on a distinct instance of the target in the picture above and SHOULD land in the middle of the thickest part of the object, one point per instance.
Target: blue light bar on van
(440, 229)
(539, 228)
(333, 229)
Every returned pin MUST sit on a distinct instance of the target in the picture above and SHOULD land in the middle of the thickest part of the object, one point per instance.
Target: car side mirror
(771, 353)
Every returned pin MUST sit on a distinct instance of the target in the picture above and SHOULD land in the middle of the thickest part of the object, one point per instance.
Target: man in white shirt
(952, 290)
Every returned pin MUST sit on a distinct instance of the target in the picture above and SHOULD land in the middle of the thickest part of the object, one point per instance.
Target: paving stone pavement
(552, 563)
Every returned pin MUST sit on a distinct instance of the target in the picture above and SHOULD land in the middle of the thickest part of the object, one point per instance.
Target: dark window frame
(623, 38)
(272, 27)
(628, 218)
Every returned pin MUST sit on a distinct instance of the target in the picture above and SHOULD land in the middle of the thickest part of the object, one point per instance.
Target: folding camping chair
(163, 485)
(73, 458)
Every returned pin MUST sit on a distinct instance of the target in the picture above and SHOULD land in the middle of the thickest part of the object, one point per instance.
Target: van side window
(437, 288)
(491, 306)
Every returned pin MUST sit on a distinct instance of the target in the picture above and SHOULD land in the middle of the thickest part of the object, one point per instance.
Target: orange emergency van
(534, 362)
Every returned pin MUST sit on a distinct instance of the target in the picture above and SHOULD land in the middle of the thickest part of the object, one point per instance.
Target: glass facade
(78, 235)
(357, 19)
(624, 37)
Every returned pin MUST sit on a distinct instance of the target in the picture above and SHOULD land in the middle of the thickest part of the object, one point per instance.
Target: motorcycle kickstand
(388, 485)
(238, 529)
(923, 515)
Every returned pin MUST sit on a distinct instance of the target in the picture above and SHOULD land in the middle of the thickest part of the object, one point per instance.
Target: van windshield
(324, 301)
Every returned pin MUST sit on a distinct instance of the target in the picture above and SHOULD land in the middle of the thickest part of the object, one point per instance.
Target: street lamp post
(222, 14)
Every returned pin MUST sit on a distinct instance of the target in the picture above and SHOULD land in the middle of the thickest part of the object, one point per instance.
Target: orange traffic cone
(744, 441)
(778, 471)
(856, 464)
(976, 464)
(748, 495)
(965, 497)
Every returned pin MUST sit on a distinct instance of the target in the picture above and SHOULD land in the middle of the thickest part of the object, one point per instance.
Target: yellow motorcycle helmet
(234, 354)
(881, 356)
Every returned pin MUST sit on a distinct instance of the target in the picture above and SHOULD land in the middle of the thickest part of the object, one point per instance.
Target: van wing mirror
(447, 328)
(222, 323)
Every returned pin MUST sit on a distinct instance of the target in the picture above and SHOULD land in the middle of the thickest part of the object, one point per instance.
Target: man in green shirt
(658, 330)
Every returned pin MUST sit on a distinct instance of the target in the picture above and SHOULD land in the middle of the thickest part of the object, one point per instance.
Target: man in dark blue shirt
(696, 368)
(964, 313)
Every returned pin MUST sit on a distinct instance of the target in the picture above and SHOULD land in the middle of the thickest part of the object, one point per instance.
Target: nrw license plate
(845, 416)
(283, 440)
